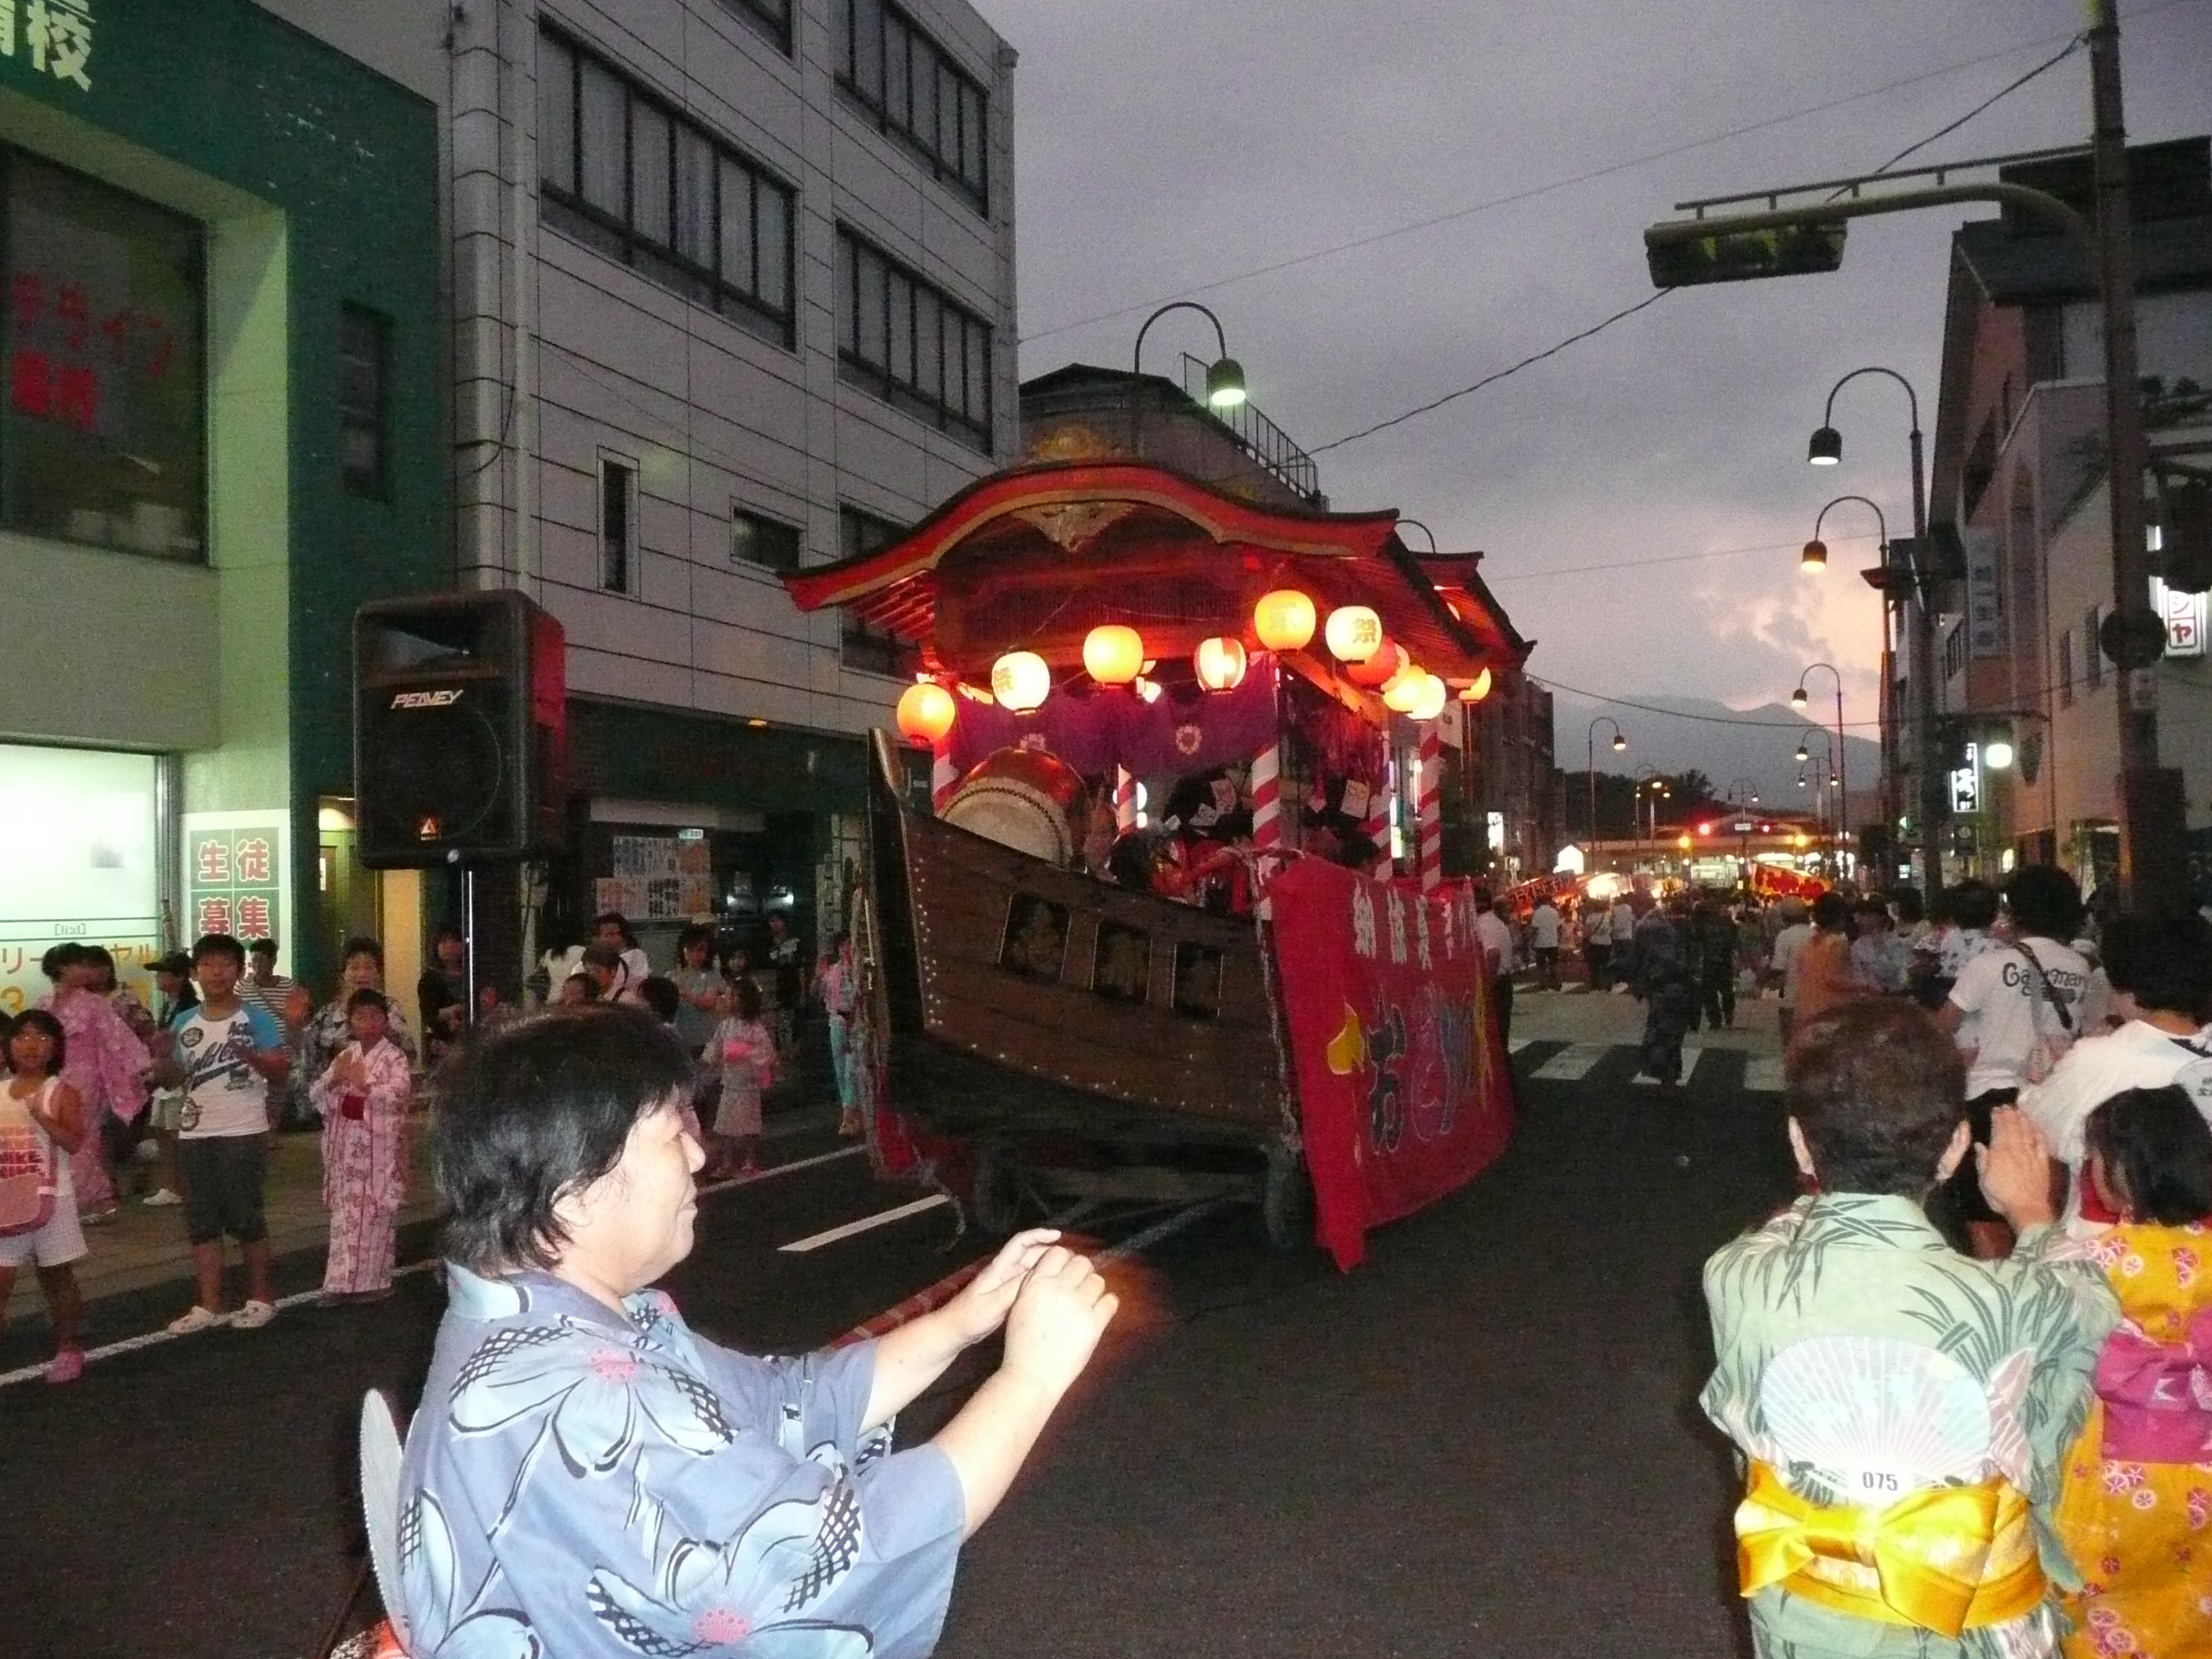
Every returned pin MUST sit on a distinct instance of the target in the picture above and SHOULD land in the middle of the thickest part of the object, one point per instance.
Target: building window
(1954, 652)
(2093, 654)
(625, 175)
(364, 349)
(771, 17)
(878, 650)
(2066, 669)
(103, 435)
(755, 540)
(618, 525)
(903, 340)
(916, 92)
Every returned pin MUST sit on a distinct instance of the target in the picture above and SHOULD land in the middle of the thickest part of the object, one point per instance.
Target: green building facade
(223, 425)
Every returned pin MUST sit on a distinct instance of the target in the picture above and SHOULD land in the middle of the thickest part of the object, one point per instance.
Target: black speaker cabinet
(459, 715)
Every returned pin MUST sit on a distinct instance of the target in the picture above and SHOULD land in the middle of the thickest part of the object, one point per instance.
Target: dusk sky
(1168, 149)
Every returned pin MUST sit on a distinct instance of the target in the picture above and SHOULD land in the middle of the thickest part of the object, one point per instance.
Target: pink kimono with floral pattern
(364, 1166)
(107, 1066)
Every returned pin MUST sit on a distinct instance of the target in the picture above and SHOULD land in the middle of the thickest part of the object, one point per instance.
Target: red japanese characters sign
(235, 874)
(1403, 1090)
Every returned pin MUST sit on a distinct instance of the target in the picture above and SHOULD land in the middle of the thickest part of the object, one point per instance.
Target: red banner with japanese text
(1403, 1090)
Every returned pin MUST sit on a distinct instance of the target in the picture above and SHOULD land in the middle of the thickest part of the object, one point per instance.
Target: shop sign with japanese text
(49, 37)
(235, 864)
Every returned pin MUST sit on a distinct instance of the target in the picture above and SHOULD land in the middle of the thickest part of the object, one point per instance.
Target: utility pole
(2154, 858)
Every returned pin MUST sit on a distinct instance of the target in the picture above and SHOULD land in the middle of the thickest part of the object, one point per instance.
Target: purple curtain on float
(1096, 730)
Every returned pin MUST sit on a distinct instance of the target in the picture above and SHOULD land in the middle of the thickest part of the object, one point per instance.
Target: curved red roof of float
(1034, 557)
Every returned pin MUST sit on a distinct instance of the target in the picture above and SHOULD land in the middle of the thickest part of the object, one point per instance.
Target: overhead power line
(1534, 358)
(1552, 186)
(1663, 558)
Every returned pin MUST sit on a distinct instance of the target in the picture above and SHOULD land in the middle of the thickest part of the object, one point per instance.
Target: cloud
(1161, 146)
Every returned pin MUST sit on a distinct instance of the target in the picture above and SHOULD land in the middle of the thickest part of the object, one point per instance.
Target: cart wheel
(1286, 1201)
(994, 1197)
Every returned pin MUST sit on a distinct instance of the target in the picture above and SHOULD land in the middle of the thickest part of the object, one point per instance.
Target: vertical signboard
(1985, 595)
(235, 864)
(2183, 616)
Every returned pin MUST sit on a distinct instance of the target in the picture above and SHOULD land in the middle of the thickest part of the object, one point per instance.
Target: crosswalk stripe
(1690, 1055)
(1518, 1044)
(1764, 1075)
(1572, 1063)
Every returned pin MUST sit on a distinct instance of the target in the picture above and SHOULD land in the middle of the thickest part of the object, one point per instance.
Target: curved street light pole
(1920, 636)
(1843, 769)
(1589, 772)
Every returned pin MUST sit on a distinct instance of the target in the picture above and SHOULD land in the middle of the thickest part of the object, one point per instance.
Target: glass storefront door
(78, 861)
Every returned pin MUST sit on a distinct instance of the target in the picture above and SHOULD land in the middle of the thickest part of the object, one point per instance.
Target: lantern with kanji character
(1284, 619)
(1354, 633)
(1020, 681)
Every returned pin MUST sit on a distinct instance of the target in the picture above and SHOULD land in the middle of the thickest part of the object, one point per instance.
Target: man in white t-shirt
(2160, 971)
(1496, 941)
(230, 1060)
(1543, 941)
(1789, 947)
(2005, 1003)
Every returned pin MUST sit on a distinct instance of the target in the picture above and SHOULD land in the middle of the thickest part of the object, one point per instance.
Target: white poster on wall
(76, 862)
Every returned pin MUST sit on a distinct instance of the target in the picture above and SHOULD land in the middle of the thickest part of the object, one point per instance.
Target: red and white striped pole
(1267, 797)
(1428, 810)
(1125, 801)
(1378, 825)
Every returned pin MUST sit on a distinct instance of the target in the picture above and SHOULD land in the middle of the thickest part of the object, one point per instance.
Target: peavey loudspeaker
(458, 719)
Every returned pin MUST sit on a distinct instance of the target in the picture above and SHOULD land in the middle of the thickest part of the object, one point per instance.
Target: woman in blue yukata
(586, 1477)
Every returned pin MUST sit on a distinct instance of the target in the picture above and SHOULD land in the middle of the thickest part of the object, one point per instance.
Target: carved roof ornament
(1071, 524)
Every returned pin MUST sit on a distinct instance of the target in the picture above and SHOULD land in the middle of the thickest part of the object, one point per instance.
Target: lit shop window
(103, 436)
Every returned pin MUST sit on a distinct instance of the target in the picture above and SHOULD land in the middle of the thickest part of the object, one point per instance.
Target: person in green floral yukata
(1901, 1410)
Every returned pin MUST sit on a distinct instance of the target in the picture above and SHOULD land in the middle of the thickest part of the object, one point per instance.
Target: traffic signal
(1681, 254)
(460, 720)
(2184, 557)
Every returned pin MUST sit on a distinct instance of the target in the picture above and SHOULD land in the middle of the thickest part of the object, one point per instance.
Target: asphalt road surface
(1484, 1442)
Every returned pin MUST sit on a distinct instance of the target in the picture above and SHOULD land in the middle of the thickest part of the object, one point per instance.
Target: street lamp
(1798, 700)
(1917, 612)
(1815, 558)
(1225, 376)
(1825, 780)
(1619, 743)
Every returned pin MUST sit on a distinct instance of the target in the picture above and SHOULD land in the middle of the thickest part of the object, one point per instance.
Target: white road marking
(1691, 1056)
(152, 1339)
(866, 1223)
(1763, 1076)
(1518, 1044)
(1571, 1062)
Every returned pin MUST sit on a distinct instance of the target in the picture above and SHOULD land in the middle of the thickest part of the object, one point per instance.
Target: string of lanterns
(1284, 619)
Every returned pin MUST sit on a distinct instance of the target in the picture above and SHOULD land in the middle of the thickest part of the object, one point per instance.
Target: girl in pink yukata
(745, 1050)
(107, 1066)
(362, 1096)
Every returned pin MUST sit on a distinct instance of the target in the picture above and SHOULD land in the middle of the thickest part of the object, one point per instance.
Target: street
(1484, 1440)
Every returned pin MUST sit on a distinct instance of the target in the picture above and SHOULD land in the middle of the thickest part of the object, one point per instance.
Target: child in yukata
(1902, 1411)
(362, 1096)
(2136, 1511)
(744, 1048)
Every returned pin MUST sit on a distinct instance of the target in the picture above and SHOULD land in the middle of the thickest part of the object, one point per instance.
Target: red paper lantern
(1388, 662)
(925, 711)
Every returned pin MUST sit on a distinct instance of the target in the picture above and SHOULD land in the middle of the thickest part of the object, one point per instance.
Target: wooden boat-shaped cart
(1063, 1034)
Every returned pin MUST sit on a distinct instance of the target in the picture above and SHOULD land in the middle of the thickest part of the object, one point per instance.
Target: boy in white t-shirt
(231, 1060)
(2007, 1002)
(2161, 972)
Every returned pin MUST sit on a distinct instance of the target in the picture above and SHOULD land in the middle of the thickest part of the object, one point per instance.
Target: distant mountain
(1672, 734)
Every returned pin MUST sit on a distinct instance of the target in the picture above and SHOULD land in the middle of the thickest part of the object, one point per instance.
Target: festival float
(1142, 935)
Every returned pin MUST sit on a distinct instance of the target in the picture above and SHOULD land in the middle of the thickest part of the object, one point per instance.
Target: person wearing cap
(172, 981)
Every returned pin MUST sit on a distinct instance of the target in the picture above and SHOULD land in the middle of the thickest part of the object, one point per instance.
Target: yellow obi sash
(1946, 1559)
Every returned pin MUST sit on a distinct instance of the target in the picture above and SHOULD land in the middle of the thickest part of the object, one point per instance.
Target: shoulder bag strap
(2042, 980)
